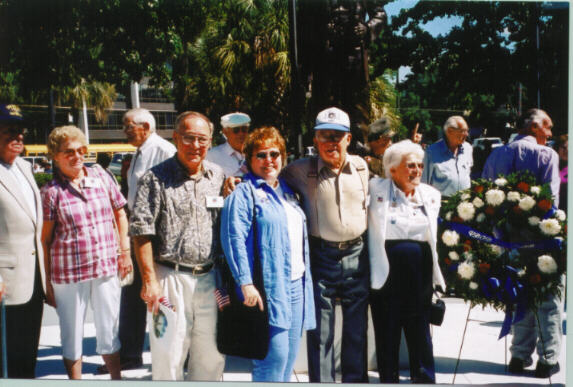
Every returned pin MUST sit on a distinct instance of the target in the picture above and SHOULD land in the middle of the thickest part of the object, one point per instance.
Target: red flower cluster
(523, 187)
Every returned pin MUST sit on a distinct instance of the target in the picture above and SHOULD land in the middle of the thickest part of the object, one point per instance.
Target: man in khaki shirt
(334, 190)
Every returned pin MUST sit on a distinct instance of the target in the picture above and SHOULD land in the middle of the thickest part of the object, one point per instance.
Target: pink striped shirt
(84, 245)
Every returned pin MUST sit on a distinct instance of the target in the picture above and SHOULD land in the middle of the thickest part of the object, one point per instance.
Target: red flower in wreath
(478, 188)
(457, 219)
(484, 267)
(489, 210)
(523, 187)
(534, 279)
(544, 205)
(448, 261)
(517, 210)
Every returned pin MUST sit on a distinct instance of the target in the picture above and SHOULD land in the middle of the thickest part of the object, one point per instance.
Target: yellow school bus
(93, 150)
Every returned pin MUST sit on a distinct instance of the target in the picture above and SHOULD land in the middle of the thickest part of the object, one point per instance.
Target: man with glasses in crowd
(448, 162)
(229, 155)
(174, 224)
(334, 189)
(22, 283)
(139, 127)
(379, 139)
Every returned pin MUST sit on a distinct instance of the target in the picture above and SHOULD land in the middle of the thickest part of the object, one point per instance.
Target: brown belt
(195, 270)
(337, 245)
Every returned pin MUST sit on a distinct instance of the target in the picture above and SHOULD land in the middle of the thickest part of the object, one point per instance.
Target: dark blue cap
(10, 114)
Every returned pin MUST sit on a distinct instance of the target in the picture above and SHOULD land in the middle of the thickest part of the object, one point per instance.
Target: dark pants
(404, 303)
(23, 323)
(339, 274)
(132, 319)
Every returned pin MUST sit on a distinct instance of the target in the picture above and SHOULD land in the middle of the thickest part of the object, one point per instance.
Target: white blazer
(377, 218)
(20, 233)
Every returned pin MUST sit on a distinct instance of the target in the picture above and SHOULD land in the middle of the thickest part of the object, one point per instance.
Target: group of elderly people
(177, 233)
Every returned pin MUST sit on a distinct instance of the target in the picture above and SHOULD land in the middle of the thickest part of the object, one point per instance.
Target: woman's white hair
(395, 153)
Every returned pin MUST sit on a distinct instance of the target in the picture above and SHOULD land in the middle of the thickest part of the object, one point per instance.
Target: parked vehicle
(487, 142)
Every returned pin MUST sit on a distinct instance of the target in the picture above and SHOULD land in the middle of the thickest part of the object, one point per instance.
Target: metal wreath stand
(505, 338)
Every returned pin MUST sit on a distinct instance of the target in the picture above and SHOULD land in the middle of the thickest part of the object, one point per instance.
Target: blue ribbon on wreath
(511, 293)
(470, 232)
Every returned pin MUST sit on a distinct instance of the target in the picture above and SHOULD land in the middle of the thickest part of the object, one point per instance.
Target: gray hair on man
(396, 153)
(140, 116)
(181, 117)
(454, 122)
(530, 117)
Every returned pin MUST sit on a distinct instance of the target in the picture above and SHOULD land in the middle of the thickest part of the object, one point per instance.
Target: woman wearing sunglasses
(282, 247)
(402, 227)
(81, 249)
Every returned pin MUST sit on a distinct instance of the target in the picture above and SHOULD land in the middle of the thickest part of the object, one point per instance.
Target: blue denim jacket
(273, 243)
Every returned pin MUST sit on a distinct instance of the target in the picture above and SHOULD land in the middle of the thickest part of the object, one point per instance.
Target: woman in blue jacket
(282, 245)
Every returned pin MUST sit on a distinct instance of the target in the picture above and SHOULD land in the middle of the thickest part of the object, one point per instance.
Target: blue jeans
(339, 274)
(284, 343)
(526, 333)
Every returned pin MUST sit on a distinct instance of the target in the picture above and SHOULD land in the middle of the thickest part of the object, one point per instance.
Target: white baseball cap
(233, 120)
(332, 118)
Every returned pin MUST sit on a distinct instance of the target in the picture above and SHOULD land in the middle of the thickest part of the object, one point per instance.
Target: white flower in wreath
(521, 273)
(500, 182)
(450, 238)
(513, 196)
(497, 250)
(546, 264)
(477, 202)
(466, 196)
(466, 210)
(453, 256)
(494, 197)
(449, 216)
(533, 220)
(560, 215)
(527, 203)
(536, 190)
(466, 270)
(550, 226)
(481, 217)
(473, 285)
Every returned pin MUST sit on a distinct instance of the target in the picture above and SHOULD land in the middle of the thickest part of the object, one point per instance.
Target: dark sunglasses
(263, 155)
(14, 131)
(242, 129)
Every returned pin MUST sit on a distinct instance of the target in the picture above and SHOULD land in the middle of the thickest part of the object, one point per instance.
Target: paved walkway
(482, 360)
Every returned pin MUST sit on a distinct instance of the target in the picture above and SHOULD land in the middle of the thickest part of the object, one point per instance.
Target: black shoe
(545, 370)
(515, 366)
(129, 364)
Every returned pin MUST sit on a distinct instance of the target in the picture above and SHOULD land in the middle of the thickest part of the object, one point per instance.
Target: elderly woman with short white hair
(402, 227)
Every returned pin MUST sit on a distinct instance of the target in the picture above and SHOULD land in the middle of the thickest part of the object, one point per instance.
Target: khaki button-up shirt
(335, 204)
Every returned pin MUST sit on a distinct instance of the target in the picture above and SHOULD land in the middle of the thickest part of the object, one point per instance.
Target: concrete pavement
(482, 360)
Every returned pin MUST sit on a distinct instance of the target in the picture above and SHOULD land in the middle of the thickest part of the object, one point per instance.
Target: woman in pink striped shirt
(81, 249)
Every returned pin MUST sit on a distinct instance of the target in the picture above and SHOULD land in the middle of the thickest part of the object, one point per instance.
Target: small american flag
(222, 298)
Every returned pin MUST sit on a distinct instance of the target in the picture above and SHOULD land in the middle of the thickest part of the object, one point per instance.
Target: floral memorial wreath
(502, 243)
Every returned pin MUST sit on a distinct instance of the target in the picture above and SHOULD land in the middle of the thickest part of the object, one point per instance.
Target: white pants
(196, 322)
(72, 303)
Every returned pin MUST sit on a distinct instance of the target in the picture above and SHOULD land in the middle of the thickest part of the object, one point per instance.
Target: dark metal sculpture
(333, 39)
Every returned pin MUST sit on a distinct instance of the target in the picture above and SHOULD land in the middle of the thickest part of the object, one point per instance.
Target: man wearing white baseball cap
(229, 155)
(334, 189)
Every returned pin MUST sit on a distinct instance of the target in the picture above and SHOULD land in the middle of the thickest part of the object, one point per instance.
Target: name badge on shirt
(214, 201)
(90, 182)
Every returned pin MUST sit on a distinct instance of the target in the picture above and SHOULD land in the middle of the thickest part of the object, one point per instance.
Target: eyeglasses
(242, 129)
(14, 131)
(263, 155)
(331, 138)
(131, 127)
(70, 152)
(414, 165)
(189, 139)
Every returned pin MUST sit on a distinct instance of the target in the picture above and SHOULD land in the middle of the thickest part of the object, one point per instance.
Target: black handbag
(437, 312)
(242, 330)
